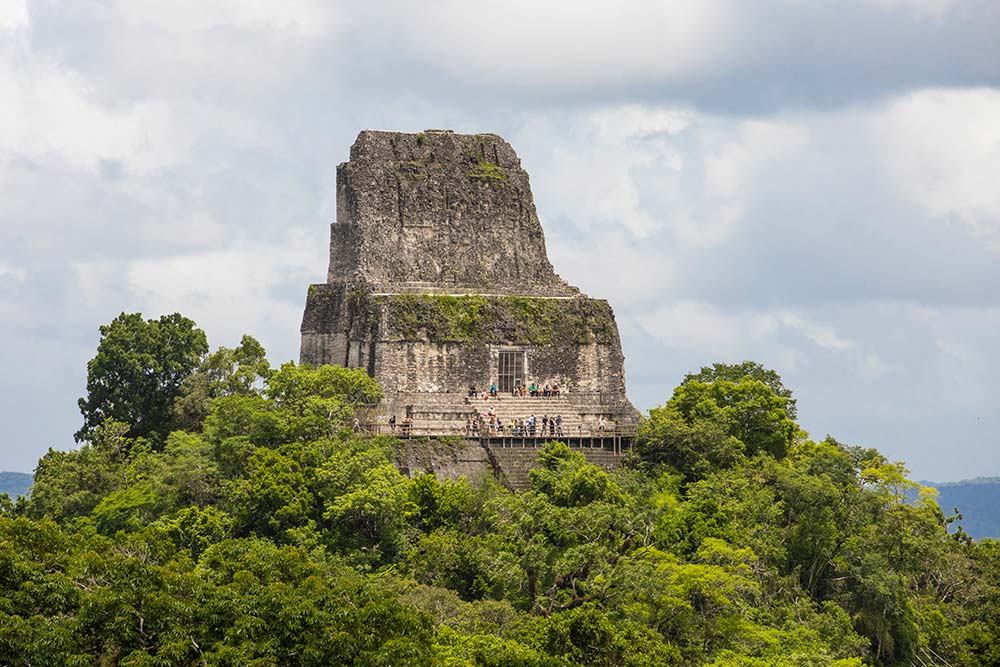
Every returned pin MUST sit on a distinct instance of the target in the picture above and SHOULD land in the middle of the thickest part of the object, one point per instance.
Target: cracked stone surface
(439, 211)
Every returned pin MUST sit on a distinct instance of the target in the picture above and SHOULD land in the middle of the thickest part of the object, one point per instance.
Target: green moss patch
(487, 171)
(496, 319)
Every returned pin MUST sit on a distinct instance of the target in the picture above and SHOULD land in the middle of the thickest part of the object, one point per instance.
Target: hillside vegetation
(977, 501)
(14, 484)
(234, 519)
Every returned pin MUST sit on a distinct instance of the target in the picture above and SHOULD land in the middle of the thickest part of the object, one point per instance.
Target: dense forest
(222, 512)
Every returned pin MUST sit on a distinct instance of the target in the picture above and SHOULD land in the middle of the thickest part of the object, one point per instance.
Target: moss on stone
(487, 171)
(496, 319)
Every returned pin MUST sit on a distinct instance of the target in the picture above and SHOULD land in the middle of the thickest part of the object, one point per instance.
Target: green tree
(569, 479)
(749, 410)
(747, 369)
(694, 447)
(138, 371)
(226, 372)
(69, 485)
(732, 540)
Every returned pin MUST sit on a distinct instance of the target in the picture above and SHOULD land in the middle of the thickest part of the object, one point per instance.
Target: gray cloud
(803, 184)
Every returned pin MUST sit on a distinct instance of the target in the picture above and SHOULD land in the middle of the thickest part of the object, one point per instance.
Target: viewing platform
(615, 441)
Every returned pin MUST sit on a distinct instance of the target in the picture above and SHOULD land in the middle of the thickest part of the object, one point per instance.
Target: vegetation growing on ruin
(487, 171)
(514, 319)
(263, 530)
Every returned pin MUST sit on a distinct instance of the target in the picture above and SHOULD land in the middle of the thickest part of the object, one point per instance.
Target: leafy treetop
(138, 371)
(746, 369)
(268, 532)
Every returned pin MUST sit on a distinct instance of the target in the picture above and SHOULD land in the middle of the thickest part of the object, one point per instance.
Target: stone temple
(439, 281)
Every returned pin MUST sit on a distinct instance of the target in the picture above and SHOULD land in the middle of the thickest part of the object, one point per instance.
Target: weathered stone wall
(419, 344)
(438, 209)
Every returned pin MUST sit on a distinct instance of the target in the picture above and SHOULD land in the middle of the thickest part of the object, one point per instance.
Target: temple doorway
(510, 371)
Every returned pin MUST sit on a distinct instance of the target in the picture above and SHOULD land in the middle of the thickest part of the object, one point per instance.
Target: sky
(811, 185)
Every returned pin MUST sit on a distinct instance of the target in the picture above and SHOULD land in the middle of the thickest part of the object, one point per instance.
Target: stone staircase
(514, 464)
(446, 413)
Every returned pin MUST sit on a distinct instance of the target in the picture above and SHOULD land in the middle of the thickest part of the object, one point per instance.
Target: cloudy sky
(813, 185)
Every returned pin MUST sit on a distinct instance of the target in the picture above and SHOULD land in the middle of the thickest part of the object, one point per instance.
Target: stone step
(515, 464)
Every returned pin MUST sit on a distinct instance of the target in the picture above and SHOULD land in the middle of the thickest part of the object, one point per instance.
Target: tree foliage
(225, 372)
(746, 370)
(138, 371)
(268, 532)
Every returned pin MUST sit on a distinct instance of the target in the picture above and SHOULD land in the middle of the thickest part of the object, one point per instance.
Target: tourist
(472, 391)
(601, 423)
(533, 389)
(547, 391)
(493, 389)
(531, 426)
(555, 390)
(392, 424)
(552, 427)
(545, 424)
(559, 425)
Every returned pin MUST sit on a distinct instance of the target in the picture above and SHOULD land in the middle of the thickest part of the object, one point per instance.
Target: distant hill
(977, 499)
(14, 484)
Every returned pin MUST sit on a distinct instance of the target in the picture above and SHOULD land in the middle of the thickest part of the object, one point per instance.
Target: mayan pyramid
(439, 281)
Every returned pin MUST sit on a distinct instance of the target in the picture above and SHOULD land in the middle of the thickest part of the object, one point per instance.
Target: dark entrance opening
(510, 371)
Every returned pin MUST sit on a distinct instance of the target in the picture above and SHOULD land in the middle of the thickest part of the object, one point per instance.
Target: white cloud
(304, 18)
(714, 333)
(49, 115)
(13, 15)
(15, 272)
(941, 150)
(564, 44)
(739, 184)
(228, 291)
(871, 367)
(820, 334)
